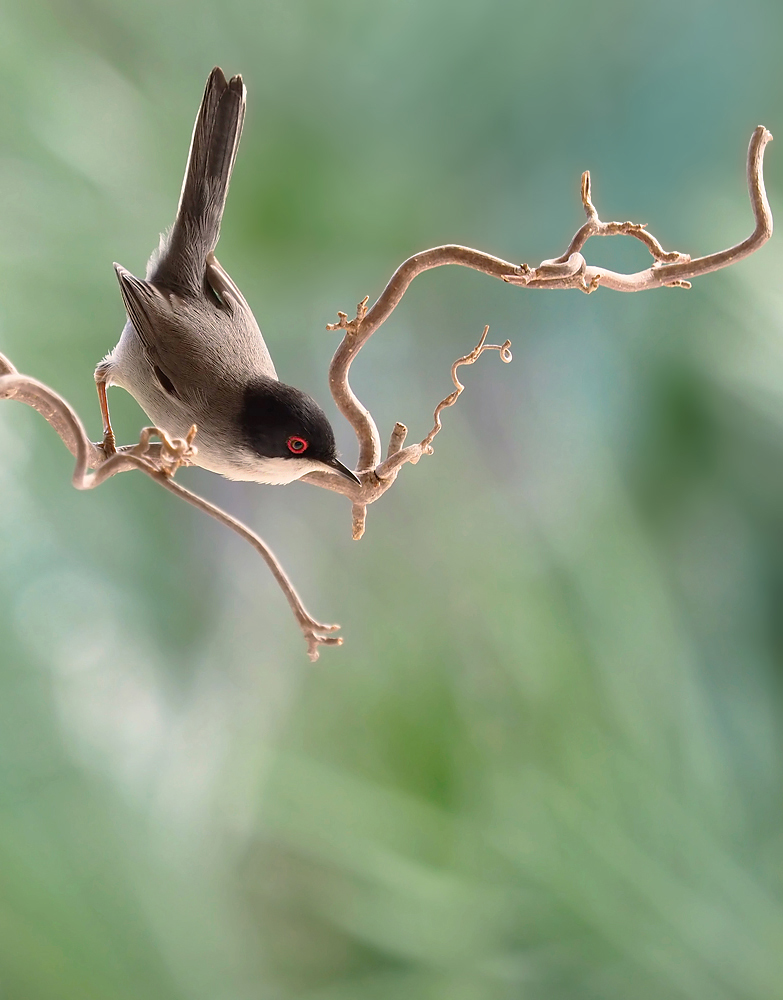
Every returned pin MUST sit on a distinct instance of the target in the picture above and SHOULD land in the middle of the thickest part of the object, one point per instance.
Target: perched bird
(191, 351)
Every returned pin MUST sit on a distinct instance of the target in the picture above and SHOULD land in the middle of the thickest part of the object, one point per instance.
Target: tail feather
(180, 262)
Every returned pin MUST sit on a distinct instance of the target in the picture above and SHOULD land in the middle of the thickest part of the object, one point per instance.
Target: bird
(191, 351)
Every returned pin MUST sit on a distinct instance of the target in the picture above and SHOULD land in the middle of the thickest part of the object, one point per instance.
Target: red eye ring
(297, 445)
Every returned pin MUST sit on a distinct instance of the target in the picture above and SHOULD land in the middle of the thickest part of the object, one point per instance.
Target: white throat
(279, 471)
(248, 468)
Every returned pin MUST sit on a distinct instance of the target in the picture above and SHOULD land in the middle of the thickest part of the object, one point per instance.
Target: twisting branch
(570, 270)
(670, 269)
(397, 456)
(376, 480)
(161, 460)
(311, 629)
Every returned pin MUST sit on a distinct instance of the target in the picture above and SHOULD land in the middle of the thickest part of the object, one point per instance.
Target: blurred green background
(547, 763)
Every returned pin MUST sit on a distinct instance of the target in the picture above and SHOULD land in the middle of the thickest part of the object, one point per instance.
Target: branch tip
(351, 326)
(397, 439)
(314, 641)
(586, 196)
(359, 520)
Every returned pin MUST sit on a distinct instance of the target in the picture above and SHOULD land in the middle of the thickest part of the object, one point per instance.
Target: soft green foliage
(547, 763)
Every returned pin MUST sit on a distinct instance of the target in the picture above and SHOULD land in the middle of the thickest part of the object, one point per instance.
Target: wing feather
(146, 308)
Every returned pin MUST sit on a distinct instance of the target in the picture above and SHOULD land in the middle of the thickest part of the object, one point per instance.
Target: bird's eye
(296, 445)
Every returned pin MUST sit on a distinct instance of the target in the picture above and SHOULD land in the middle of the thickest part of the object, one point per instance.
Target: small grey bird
(191, 351)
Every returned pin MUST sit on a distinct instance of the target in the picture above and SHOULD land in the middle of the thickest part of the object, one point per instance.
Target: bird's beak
(343, 470)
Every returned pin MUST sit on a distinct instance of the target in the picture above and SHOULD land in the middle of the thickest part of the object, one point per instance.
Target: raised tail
(180, 261)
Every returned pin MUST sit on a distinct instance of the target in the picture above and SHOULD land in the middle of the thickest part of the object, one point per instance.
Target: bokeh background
(548, 761)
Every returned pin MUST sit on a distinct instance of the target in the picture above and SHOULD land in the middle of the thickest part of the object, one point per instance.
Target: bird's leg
(109, 446)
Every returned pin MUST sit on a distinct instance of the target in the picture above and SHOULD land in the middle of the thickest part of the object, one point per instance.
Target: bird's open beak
(343, 470)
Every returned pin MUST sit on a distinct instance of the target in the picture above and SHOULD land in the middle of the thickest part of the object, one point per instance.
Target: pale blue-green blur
(547, 763)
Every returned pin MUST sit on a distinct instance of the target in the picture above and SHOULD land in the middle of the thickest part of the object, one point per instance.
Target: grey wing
(190, 343)
(249, 342)
(146, 308)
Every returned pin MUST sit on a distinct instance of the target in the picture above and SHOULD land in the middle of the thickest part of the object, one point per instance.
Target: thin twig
(414, 452)
(159, 462)
(569, 271)
(311, 628)
(376, 481)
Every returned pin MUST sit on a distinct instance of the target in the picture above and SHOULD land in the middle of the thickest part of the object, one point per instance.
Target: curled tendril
(469, 359)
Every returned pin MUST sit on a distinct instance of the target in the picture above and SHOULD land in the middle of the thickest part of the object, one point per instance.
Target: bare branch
(311, 628)
(359, 330)
(414, 452)
(594, 227)
(670, 269)
(377, 480)
(159, 462)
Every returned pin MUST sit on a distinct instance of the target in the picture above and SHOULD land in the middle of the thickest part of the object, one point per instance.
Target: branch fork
(351, 326)
(161, 460)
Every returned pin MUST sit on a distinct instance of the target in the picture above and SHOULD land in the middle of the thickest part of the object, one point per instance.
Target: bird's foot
(108, 444)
